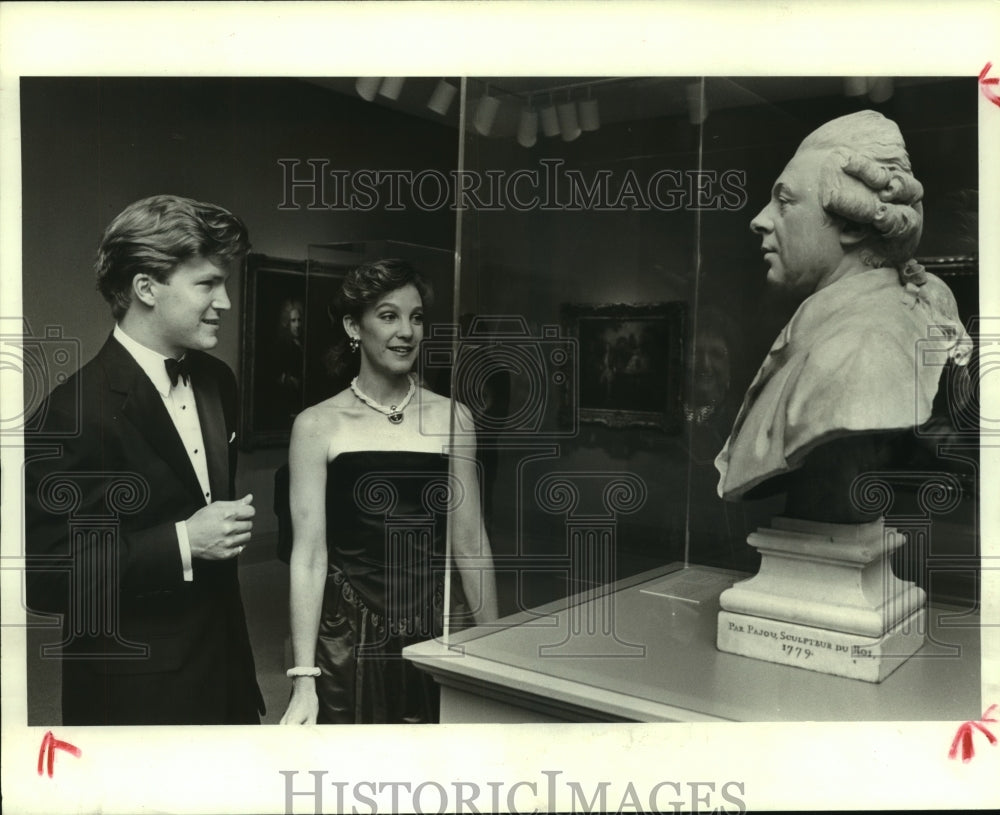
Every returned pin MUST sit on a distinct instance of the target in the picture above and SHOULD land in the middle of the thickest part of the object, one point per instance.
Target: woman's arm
(307, 461)
(470, 547)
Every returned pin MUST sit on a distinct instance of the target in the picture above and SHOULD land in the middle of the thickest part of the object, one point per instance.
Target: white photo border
(847, 765)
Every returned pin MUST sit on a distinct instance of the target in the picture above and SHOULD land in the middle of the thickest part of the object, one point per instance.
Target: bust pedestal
(825, 599)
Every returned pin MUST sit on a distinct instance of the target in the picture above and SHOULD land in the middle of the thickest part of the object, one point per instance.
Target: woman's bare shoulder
(323, 418)
(429, 398)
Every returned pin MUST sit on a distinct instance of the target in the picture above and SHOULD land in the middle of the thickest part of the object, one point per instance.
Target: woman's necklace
(395, 412)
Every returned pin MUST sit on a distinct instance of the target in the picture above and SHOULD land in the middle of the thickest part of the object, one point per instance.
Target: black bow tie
(177, 369)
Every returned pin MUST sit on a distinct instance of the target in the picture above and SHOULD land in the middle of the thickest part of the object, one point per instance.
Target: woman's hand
(303, 707)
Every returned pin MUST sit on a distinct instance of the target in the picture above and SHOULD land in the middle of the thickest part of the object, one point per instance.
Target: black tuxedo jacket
(106, 479)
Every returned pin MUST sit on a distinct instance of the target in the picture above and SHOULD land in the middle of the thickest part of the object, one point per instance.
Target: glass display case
(613, 310)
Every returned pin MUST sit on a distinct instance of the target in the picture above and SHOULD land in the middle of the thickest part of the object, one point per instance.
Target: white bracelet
(291, 673)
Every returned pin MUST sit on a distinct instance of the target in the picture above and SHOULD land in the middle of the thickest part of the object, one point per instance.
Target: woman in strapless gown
(372, 494)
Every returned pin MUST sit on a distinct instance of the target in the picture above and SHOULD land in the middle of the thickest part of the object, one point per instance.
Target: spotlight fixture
(880, 89)
(590, 119)
(367, 87)
(486, 113)
(443, 96)
(391, 87)
(527, 129)
(550, 120)
(569, 124)
(855, 85)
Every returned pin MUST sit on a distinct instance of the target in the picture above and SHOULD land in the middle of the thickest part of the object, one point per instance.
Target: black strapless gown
(386, 524)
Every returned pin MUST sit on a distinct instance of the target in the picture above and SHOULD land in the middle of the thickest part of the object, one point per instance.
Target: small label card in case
(694, 584)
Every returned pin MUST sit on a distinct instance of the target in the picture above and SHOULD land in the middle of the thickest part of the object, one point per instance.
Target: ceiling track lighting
(569, 122)
(590, 118)
(444, 94)
(568, 119)
(391, 87)
(855, 86)
(527, 128)
(367, 87)
(486, 113)
(880, 89)
(550, 120)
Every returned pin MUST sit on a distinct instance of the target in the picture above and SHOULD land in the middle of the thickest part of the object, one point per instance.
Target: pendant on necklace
(393, 413)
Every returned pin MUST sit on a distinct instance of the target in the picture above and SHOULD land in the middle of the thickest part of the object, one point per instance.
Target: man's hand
(221, 530)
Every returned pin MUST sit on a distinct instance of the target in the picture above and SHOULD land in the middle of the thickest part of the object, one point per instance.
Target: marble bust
(860, 361)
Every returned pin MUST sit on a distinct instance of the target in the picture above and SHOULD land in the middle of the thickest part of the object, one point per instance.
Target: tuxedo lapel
(143, 406)
(213, 429)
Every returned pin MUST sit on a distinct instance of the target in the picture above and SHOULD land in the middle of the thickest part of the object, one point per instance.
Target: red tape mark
(987, 84)
(963, 738)
(49, 746)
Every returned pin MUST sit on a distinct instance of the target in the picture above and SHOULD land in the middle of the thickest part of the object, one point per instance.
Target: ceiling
(620, 99)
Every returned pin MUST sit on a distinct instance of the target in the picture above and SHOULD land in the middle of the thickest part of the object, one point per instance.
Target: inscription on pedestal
(794, 645)
(833, 652)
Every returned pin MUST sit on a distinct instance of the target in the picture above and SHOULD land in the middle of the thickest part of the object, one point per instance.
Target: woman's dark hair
(364, 285)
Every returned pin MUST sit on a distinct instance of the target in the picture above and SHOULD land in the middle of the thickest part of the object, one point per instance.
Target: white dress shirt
(180, 404)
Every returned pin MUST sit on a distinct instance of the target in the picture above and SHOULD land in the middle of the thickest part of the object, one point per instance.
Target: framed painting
(631, 362)
(289, 344)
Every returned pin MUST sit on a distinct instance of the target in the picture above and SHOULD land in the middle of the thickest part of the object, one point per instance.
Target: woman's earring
(355, 344)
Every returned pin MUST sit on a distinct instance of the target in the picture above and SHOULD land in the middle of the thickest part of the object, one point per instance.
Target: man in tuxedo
(133, 532)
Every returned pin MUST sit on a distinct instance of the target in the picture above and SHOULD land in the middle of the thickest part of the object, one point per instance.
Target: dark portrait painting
(274, 341)
(630, 362)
